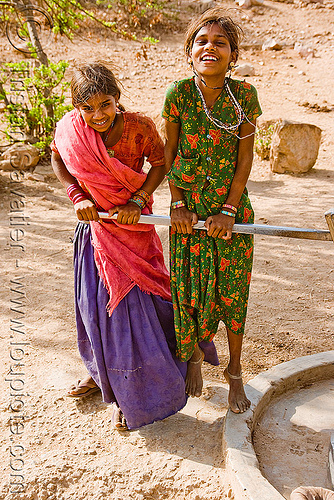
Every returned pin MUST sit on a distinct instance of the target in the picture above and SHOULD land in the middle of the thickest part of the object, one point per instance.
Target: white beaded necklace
(241, 116)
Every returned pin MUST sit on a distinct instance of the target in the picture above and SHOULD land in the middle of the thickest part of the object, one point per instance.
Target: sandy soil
(67, 450)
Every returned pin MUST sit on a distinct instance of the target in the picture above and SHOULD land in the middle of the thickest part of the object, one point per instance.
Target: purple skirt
(130, 354)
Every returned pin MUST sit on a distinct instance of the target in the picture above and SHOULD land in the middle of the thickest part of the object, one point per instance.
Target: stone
(35, 177)
(45, 169)
(200, 6)
(244, 70)
(21, 156)
(271, 44)
(5, 165)
(304, 51)
(244, 4)
(294, 147)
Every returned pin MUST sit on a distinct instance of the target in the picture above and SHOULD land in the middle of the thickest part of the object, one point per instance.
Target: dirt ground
(66, 450)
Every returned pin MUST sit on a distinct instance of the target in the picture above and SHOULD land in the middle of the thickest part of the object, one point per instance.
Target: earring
(230, 68)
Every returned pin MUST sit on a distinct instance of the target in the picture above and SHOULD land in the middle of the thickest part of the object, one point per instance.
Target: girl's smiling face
(211, 51)
(99, 111)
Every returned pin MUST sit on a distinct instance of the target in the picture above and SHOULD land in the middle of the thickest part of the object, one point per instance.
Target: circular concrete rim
(242, 465)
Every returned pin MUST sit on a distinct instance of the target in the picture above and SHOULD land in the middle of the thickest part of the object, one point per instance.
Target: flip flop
(117, 419)
(92, 388)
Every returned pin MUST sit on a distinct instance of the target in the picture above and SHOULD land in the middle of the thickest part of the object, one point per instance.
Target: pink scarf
(125, 255)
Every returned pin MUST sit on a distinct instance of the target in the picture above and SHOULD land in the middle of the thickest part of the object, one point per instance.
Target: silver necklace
(238, 110)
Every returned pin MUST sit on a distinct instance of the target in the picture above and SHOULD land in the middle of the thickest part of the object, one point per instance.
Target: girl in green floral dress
(210, 125)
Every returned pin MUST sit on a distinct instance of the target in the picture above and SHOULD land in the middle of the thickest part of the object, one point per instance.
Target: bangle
(231, 207)
(224, 212)
(138, 201)
(75, 193)
(178, 204)
(143, 194)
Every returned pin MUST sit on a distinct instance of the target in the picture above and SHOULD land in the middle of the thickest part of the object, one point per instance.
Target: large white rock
(246, 4)
(202, 5)
(271, 44)
(304, 51)
(294, 147)
(244, 70)
(20, 156)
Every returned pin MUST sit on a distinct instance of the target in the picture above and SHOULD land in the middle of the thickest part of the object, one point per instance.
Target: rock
(244, 4)
(200, 6)
(36, 177)
(271, 44)
(244, 70)
(294, 147)
(45, 170)
(303, 50)
(21, 156)
(5, 165)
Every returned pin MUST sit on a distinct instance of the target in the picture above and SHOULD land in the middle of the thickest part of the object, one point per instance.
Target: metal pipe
(287, 232)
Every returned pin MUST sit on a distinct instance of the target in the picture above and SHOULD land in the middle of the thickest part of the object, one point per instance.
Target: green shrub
(34, 98)
(263, 137)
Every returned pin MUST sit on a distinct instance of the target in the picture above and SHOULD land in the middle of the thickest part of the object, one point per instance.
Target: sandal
(91, 389)
(117, 419)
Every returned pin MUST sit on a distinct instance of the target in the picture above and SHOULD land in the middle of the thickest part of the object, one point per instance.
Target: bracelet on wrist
(75, 193)
(225, 212)
(231, 207)
(143, 194)
(178, 204)
(138, 201)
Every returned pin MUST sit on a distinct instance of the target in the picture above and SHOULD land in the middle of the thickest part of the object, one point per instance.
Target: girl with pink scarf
(123, 311)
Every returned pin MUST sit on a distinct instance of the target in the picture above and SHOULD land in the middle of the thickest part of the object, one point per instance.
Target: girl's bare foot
(237, 398)
(194, 380)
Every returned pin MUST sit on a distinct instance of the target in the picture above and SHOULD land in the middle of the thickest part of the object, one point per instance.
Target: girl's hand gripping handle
(220, 226)
(86, 210)
(182, 220)
(127, 214)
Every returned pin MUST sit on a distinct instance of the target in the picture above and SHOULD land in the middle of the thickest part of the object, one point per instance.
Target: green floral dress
(209, 276)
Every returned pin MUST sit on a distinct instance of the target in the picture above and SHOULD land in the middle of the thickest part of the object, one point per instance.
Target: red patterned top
(140, 139)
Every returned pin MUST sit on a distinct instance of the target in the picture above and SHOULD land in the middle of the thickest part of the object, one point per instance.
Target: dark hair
(90, 79)
(218, 16)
